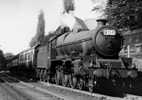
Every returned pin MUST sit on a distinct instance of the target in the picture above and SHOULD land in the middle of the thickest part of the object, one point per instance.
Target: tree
(124, 14)
(38, 38)
(8, 56)
(2, 60)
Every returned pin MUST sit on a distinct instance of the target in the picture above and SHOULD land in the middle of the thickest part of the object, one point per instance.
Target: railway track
(28, 90)
(12, 93)
(52, 91)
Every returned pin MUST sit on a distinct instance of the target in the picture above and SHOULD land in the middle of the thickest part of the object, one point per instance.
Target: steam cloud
(68, 5)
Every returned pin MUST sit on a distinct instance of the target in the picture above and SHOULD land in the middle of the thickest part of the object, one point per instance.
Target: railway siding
(35, 92)
(12, 92)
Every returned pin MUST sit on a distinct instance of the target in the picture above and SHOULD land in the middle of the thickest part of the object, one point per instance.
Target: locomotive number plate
(109, 32)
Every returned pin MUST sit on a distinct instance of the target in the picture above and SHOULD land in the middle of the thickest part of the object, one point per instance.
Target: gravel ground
(4, 94)
(70, 94)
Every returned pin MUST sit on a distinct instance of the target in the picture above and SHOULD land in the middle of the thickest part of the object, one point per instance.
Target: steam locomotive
(78, 59)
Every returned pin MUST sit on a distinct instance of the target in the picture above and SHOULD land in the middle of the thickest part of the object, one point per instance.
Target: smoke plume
(68, 5)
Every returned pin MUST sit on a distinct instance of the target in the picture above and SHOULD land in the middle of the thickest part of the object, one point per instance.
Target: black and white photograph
(70, 49)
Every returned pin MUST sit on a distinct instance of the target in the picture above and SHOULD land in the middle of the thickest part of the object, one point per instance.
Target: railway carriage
(23, 63)
(12, 64)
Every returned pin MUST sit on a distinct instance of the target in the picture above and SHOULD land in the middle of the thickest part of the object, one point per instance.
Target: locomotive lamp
(101, 22)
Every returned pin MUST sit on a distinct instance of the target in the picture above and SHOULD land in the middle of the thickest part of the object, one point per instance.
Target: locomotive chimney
(101, 22)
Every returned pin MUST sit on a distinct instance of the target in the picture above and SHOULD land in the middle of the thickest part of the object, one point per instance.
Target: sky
(18, 19)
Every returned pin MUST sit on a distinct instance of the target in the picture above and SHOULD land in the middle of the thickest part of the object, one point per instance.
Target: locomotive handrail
(57, 35)
(111, 60)
(116, 60)
(79, 41)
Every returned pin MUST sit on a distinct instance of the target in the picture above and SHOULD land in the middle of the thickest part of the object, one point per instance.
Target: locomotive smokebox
(107, 41)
